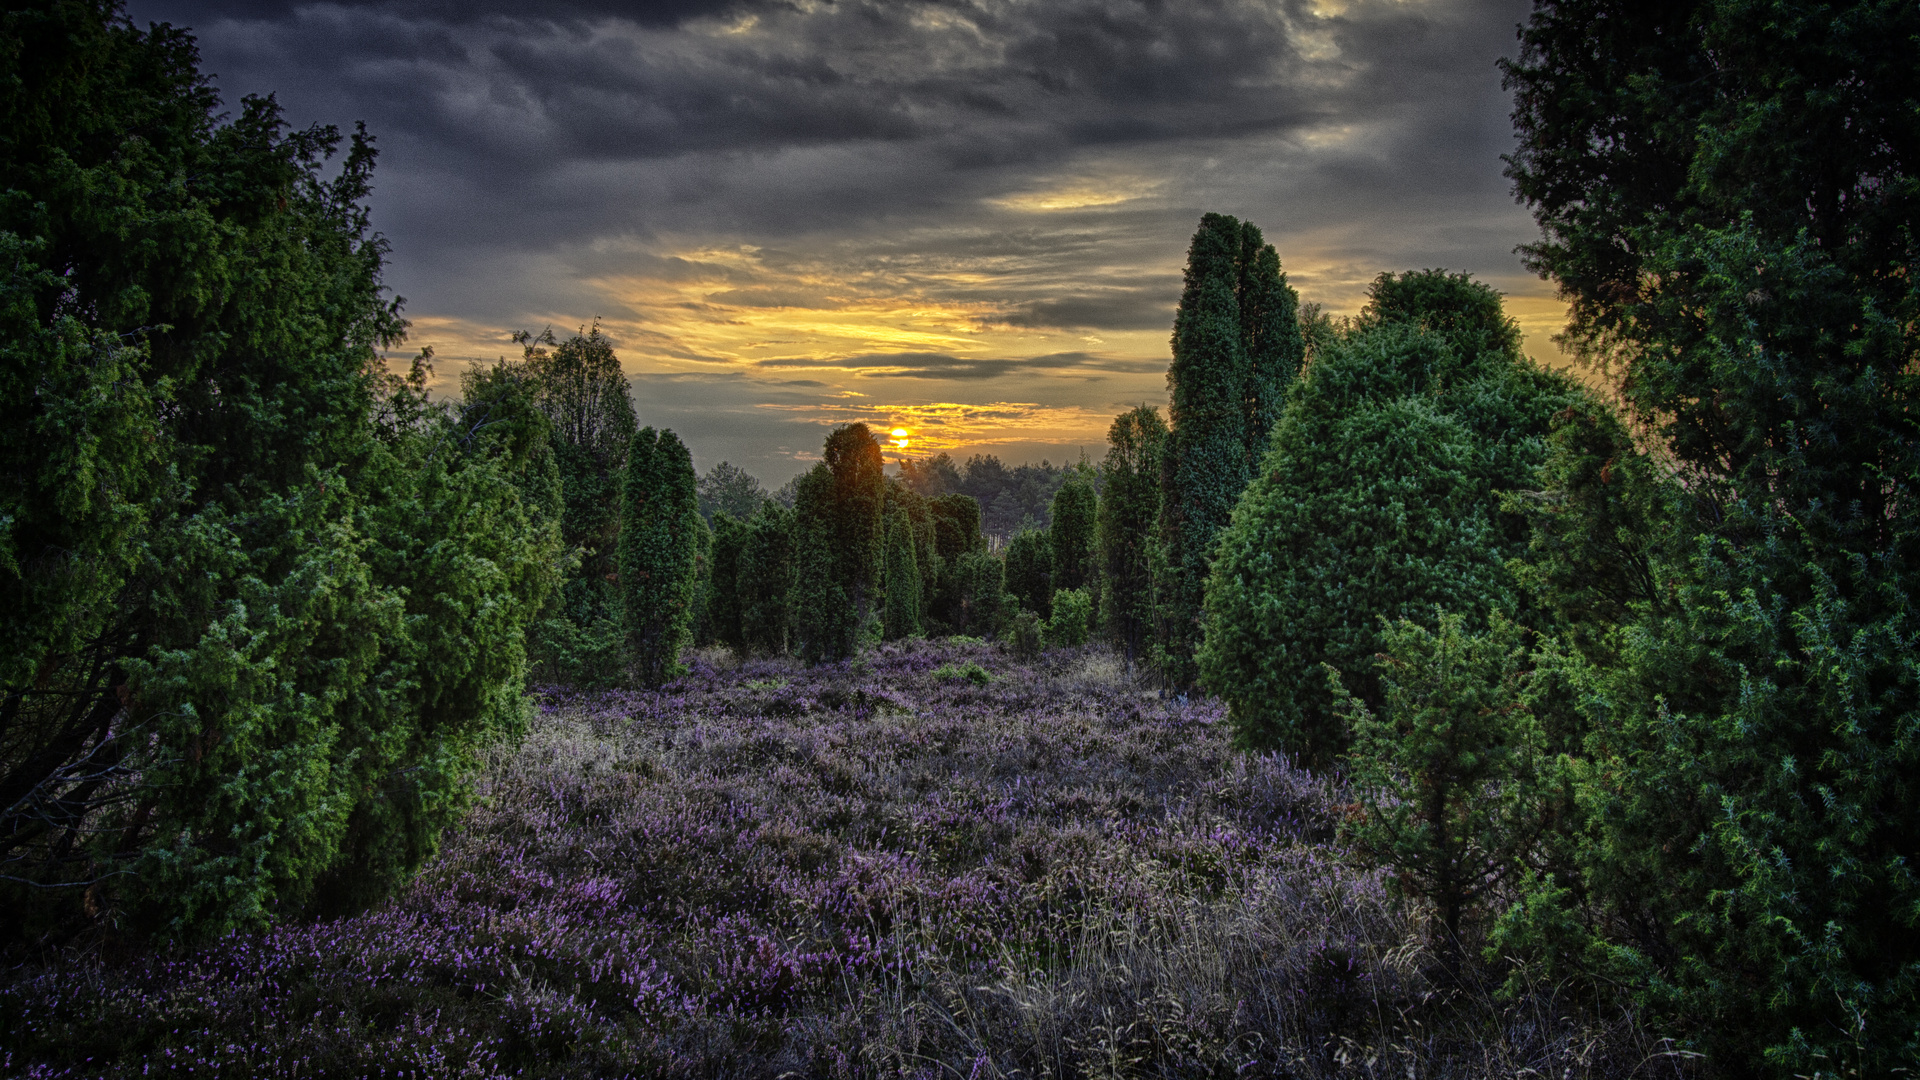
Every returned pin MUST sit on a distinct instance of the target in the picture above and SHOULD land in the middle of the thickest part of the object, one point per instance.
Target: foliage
(1447, 775)
(1236, 347)
(765, 579)
(264, 603)
(1123, 532)
(1010, 499)
(901, 617)
(969, 672)
(724, 598)
(1075, 510)
(1728, 193)
(823, 622)
(702, 632)
(1026, 634)
(1072, 615)
(859, 493)
(659, 554)
(728, 488)
(979, 593)
(1029, 571)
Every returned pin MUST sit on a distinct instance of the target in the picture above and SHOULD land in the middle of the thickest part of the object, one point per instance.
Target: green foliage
(727, 488)
(902, 613)
(702, 633)
(659, 554)
(1448, 772)
(979, 593)
(969, 672)
(724, 597)
(1071, 532)
(859, 497)
(1026, 633)
(765, 581)
(1742, 258)
(264, 602)
(1072, 616)
(824, 622)
(1029, 570)
(1236, 347)
(1123, 533)
(1380, 500)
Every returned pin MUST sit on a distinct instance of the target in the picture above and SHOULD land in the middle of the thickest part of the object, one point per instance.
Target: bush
(969, 672)
(659, 554)
(1024, 635)
(1072, 615)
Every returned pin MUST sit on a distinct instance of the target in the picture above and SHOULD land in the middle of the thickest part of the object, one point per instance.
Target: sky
(964, 219)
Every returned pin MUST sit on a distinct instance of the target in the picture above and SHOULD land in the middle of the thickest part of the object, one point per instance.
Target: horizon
(966, 222)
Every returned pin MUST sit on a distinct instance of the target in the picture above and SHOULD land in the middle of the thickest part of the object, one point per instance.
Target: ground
(934, 861)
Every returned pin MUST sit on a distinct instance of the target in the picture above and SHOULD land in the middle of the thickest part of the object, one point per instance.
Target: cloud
(985, 198)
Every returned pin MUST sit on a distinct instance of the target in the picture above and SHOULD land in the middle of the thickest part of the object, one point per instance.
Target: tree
(824, 622)
(659, 554)
(1072, 615)
(265, 602)
(956, 531)
(859, 495)
(1727, 193)
(902, 613)
(1379, 500)
(1075, 508)
(766, 579)
(931, 477)
(728, 488)
(725, 598)
(1129, 509)
(1448, 771)
(979, 587)
(1029, 571)
(1236, 346)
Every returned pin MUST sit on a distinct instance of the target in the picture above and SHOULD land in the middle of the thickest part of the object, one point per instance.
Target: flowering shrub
(858, 869)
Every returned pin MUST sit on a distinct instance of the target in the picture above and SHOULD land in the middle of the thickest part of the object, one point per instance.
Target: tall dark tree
(263, 602)
(824, 624)
(724, 597)
(901, 617)
(1029, 571)
(859, 497)
(659, 554)
(1129, 511)
(1236, 346)
(1728, 193)
(1075, 508)
(765, 578)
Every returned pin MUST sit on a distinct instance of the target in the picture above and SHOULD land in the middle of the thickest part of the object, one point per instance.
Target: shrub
(1072, 615)
(1025, 635)
(1029, 571)
(969, 672)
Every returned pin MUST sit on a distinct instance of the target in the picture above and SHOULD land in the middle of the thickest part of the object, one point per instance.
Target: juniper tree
(1029, 571)
(858, 500)
(765, 579)
(659, 554)
(724, 596)
(264, 603)
(1070, 532)
(1728, 195)
(824, 623)
(901, 615)
(1236, 346)
(1123, 533)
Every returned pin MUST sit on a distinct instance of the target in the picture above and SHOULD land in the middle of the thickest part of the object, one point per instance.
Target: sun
(900, 437)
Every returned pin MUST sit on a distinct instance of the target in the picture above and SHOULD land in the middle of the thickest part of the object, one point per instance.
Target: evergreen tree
(1029, 571)
(728, 488)
(1071, 533)
(1380, 500)
(1072, 616)
(766, 579)
(902, 614)
(980, 601)
(659, 554)
(1236, 346)
(956, 531)
(1129, 510)
(856, 522)
(703, 631)
(265, 604)
(1728, 194)
(824, 622)
(724, 600)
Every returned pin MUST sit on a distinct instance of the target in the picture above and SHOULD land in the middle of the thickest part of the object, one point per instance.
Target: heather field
(934, 861)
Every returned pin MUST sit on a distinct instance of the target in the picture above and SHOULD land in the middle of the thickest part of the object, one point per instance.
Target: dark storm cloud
(1133, 310)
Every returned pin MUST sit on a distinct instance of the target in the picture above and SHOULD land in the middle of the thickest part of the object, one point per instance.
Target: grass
(863, 870)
